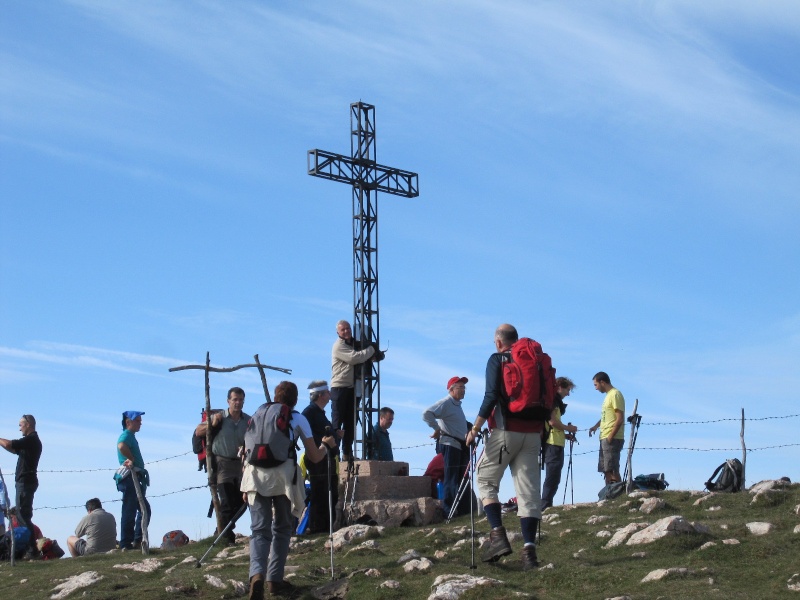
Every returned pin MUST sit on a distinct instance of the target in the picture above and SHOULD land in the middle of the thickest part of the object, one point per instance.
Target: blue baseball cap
(132, 414)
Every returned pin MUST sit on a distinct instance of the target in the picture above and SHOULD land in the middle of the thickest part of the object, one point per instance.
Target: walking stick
(233, 520)
(145, 512)
(330, 509)
(570, 473)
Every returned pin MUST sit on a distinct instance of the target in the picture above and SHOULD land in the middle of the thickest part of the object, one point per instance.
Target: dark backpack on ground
(530, 381)
(267, 440)
(729, 476)
(654, 481)
(22, 536)
(611, 491)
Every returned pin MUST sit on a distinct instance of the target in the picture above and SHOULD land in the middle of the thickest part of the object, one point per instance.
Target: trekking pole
(7, 503)
(459, 494)
(143, 509)
(471, 467)
(570, 472)
(328, 452)
(235, 518)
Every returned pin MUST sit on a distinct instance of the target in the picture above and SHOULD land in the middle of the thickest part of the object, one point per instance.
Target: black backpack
(653, 481)
(729, 476)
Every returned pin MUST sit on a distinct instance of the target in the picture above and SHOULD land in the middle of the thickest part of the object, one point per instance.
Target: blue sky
(618, 180)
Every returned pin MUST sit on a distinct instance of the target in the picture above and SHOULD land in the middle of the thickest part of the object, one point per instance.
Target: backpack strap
(710, 485)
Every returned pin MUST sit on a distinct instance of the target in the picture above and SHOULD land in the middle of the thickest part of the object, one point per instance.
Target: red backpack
(530, 381)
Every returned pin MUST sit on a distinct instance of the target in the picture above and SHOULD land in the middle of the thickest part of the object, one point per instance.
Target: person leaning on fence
(553, 449)
(446, 418)
(100, 529)
(513, 443)
(228, 429)
(275, 495)
(130, 457)
(322, 474)
(612, 432)
(28, 449)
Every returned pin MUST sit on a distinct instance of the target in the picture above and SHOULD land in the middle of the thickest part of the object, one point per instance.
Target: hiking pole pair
(462, 487)
(471, 469)
(570, 473)
(329, 452)
(235, 518)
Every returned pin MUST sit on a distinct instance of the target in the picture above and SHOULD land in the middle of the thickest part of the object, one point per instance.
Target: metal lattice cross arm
(379, 178)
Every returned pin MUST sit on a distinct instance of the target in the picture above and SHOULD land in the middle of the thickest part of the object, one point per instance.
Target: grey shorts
(609, 455)
(80, 547)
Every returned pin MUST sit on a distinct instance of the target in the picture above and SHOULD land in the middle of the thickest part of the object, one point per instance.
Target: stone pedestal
(384, 492)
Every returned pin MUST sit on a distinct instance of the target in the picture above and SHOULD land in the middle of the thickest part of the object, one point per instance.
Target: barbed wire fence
(431, 444)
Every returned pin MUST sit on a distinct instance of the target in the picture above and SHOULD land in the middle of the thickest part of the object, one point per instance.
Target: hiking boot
(280, 588)
(256, 587)
(529, 560)
(498, 545)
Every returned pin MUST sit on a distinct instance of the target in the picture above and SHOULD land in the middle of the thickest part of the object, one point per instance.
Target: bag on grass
(729, 476)
(654, 481)
(611, 491)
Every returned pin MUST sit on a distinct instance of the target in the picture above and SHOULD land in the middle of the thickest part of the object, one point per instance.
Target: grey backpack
(731, 474)
(268, 441)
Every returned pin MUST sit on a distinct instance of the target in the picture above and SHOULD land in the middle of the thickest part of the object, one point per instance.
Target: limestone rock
(439, 554)
(422, 565)
(76, 582)
(450, 587)
(638, 494)
(759, 528)
(714, 508)
(148, 565)
(215, 582)
(639, 555)
(701, 528)
(769, 484)
(620, 598)
(346, 535)
(187, 560)
(370, 546)
(707, 545)
(667, 526)
(603, 533)
(731, 542)
(651, 505)
(794, 583)
(622, 534)
(391, 584)
(550, 517)
(660, 574)
(372, 573)
(704, 499)
(394, 513)
(796, 529)
(409, 555)
(240, 588)
(595, 519)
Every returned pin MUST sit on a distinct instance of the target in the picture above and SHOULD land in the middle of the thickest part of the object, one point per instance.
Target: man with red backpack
(514, 442)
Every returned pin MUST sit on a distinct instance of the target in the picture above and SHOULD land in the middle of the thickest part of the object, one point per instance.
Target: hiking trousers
(269, 539)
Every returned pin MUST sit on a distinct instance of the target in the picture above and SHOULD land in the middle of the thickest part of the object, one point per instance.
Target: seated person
(100, 529)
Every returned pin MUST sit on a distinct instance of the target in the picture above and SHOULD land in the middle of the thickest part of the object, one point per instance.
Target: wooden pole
(744, 453)
(263, 378)
(212, 480)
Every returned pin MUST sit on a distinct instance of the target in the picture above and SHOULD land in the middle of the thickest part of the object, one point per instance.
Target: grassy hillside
(756, 567)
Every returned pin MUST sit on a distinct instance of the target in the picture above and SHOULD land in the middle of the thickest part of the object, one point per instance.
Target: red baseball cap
(455, 380)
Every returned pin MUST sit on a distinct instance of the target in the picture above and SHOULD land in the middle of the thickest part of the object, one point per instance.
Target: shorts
(609, 455)
(80, 547)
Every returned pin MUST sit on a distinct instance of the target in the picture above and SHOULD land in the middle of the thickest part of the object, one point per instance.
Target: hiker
(553, 449)
(345, 356)
(28, 449)
(227, 429)
(130, 457)
(513, 443)
(323, 474)
(446, 418)
(282, 490)
(100, 529)
(612, 433)
(380, 446)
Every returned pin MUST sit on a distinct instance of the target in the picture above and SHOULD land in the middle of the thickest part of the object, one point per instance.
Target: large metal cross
(367, 177)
